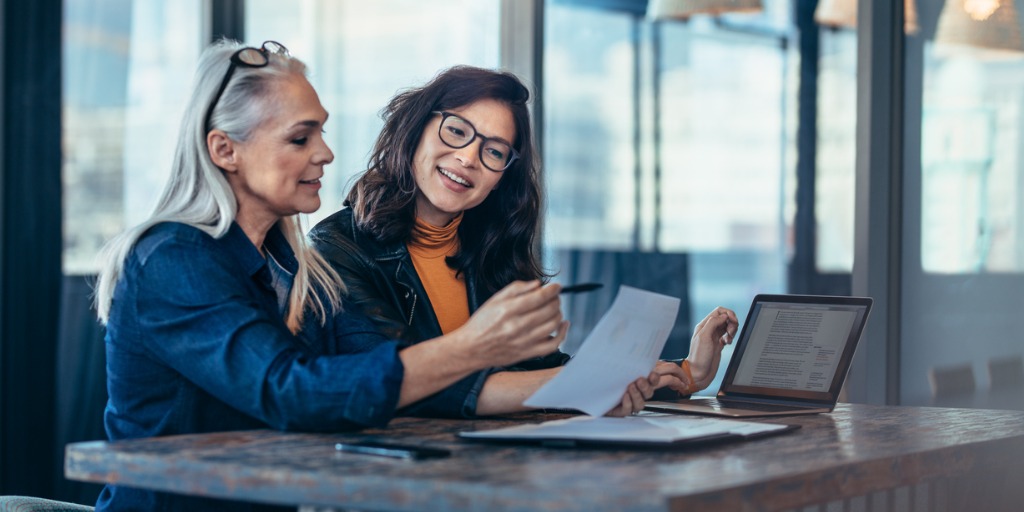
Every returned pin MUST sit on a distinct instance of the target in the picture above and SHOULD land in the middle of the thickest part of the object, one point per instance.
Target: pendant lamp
(683, 9)
(993, 24)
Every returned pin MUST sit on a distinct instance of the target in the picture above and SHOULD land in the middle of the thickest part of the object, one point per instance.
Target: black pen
(582, 287)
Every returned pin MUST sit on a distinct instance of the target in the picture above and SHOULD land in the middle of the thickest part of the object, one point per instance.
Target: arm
(187, 305)
(512, 325)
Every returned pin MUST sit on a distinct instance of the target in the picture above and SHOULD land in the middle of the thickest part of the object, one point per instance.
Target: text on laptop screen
(795, 346)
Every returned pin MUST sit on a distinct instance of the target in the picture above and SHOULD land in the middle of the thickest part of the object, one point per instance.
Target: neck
(255, 229)
(431, 215)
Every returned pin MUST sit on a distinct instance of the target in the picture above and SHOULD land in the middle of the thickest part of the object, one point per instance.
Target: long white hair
(198, 194)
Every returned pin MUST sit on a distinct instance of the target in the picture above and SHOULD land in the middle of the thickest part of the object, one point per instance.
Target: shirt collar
(251, 259)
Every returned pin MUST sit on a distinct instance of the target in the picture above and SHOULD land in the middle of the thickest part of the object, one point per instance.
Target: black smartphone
(392, 450)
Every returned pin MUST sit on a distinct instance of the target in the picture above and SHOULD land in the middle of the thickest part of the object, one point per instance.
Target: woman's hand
(709, 338)
(515, 324)
(636, 396)
(672, 376)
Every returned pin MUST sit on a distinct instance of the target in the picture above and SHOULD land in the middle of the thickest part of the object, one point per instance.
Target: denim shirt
(196, 343)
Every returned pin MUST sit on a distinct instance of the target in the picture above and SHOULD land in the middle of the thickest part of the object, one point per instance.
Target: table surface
(853, 451)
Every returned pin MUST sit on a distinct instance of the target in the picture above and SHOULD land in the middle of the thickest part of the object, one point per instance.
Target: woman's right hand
(515, 324)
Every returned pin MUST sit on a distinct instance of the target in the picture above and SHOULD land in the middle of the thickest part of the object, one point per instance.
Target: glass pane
(589, 124)
(971, 130)
(964, 200)
(836, 149)
(704, 216)
(361, 53)
(127, 71)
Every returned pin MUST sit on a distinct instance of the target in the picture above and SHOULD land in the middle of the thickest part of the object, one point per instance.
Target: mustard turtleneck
(447, 293)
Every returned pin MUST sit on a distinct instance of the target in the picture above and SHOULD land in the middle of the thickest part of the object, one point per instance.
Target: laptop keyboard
(751, 406)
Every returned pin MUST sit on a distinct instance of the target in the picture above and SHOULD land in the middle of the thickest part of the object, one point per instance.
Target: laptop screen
(796, 347)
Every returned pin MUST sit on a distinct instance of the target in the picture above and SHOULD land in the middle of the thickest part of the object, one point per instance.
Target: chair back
(30, 504)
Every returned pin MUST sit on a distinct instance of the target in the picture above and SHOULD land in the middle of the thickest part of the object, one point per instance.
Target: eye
(496, 154)
(456, 131)
(301, 141)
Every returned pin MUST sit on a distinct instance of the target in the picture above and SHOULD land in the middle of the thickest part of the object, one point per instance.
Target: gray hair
(198, 194)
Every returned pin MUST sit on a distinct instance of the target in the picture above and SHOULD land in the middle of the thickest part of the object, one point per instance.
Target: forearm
(432, 366)
(504, 392)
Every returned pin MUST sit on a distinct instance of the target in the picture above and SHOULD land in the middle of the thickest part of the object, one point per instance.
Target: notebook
(791, 357)
(646, 430)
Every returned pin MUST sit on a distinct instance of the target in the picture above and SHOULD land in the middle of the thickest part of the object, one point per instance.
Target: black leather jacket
(381, 279)
(383, 283)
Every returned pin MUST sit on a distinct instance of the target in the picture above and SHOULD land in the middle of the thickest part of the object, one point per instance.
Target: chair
(952, 381)
(30, 504)
(1006, 373)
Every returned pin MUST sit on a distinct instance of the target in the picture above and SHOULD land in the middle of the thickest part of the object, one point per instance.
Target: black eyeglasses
(496, 154)
(250, 58)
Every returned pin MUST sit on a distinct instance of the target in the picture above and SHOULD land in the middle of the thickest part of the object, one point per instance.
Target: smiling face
(449, 180)
(276, 173)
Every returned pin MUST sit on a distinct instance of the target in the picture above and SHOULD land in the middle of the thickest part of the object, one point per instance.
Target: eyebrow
(309, 123)
(477, 130)
(502, 139)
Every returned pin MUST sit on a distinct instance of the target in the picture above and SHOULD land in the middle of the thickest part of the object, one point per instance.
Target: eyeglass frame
(445, 115)
(235, 61)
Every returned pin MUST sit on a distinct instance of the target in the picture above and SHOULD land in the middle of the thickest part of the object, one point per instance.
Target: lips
(310, 182)
(454, 177)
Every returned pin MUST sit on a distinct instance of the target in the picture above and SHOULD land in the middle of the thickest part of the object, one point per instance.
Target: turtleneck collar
(434, 241)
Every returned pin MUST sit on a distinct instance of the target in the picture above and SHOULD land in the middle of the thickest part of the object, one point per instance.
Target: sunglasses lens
(252, 57)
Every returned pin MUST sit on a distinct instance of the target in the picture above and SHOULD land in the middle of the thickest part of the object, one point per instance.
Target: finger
(540, 331)
(516, 288)
(550, 343)
(537, 299)
(643, 385)
(624, 407)
(671, 382)
(636, 398)
(668, 368)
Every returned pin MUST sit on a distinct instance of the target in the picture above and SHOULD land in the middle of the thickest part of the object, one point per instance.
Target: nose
(323, 156)
(469, 156)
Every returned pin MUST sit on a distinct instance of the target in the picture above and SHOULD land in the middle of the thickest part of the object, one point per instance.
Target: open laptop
(791, 357)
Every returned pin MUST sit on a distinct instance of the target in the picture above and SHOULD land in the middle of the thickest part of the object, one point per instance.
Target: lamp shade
(683, 9)
(843, 13)
(991, 24)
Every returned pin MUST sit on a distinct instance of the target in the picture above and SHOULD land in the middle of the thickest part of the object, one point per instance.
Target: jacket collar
(250, 257)
(393, 252)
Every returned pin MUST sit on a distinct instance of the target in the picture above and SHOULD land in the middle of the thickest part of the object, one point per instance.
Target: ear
(222, 150)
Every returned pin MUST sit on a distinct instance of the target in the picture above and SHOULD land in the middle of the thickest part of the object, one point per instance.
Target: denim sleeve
(355, 331)
(456, 401)
(201, 316)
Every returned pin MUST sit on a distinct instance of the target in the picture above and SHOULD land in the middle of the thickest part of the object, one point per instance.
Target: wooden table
(862, 457)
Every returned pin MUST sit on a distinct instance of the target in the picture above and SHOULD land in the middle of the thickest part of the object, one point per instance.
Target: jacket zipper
(412, 310)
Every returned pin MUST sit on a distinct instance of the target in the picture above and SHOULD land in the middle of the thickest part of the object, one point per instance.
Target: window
(124, 63)
(361, 53)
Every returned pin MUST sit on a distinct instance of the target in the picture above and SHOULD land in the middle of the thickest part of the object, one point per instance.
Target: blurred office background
(728, 148)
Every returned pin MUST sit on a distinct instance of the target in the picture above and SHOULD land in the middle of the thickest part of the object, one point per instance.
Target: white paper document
(646, 428)
(624, 345)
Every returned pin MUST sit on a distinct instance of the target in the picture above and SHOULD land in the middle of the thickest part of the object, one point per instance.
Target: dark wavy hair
(497, 237)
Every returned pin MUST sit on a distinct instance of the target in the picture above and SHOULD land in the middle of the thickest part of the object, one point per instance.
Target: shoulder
(189, 256)
(170, 237)
(339, 234)
(339, 226)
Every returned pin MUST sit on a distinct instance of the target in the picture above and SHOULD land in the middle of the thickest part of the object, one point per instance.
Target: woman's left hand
(636, 396)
